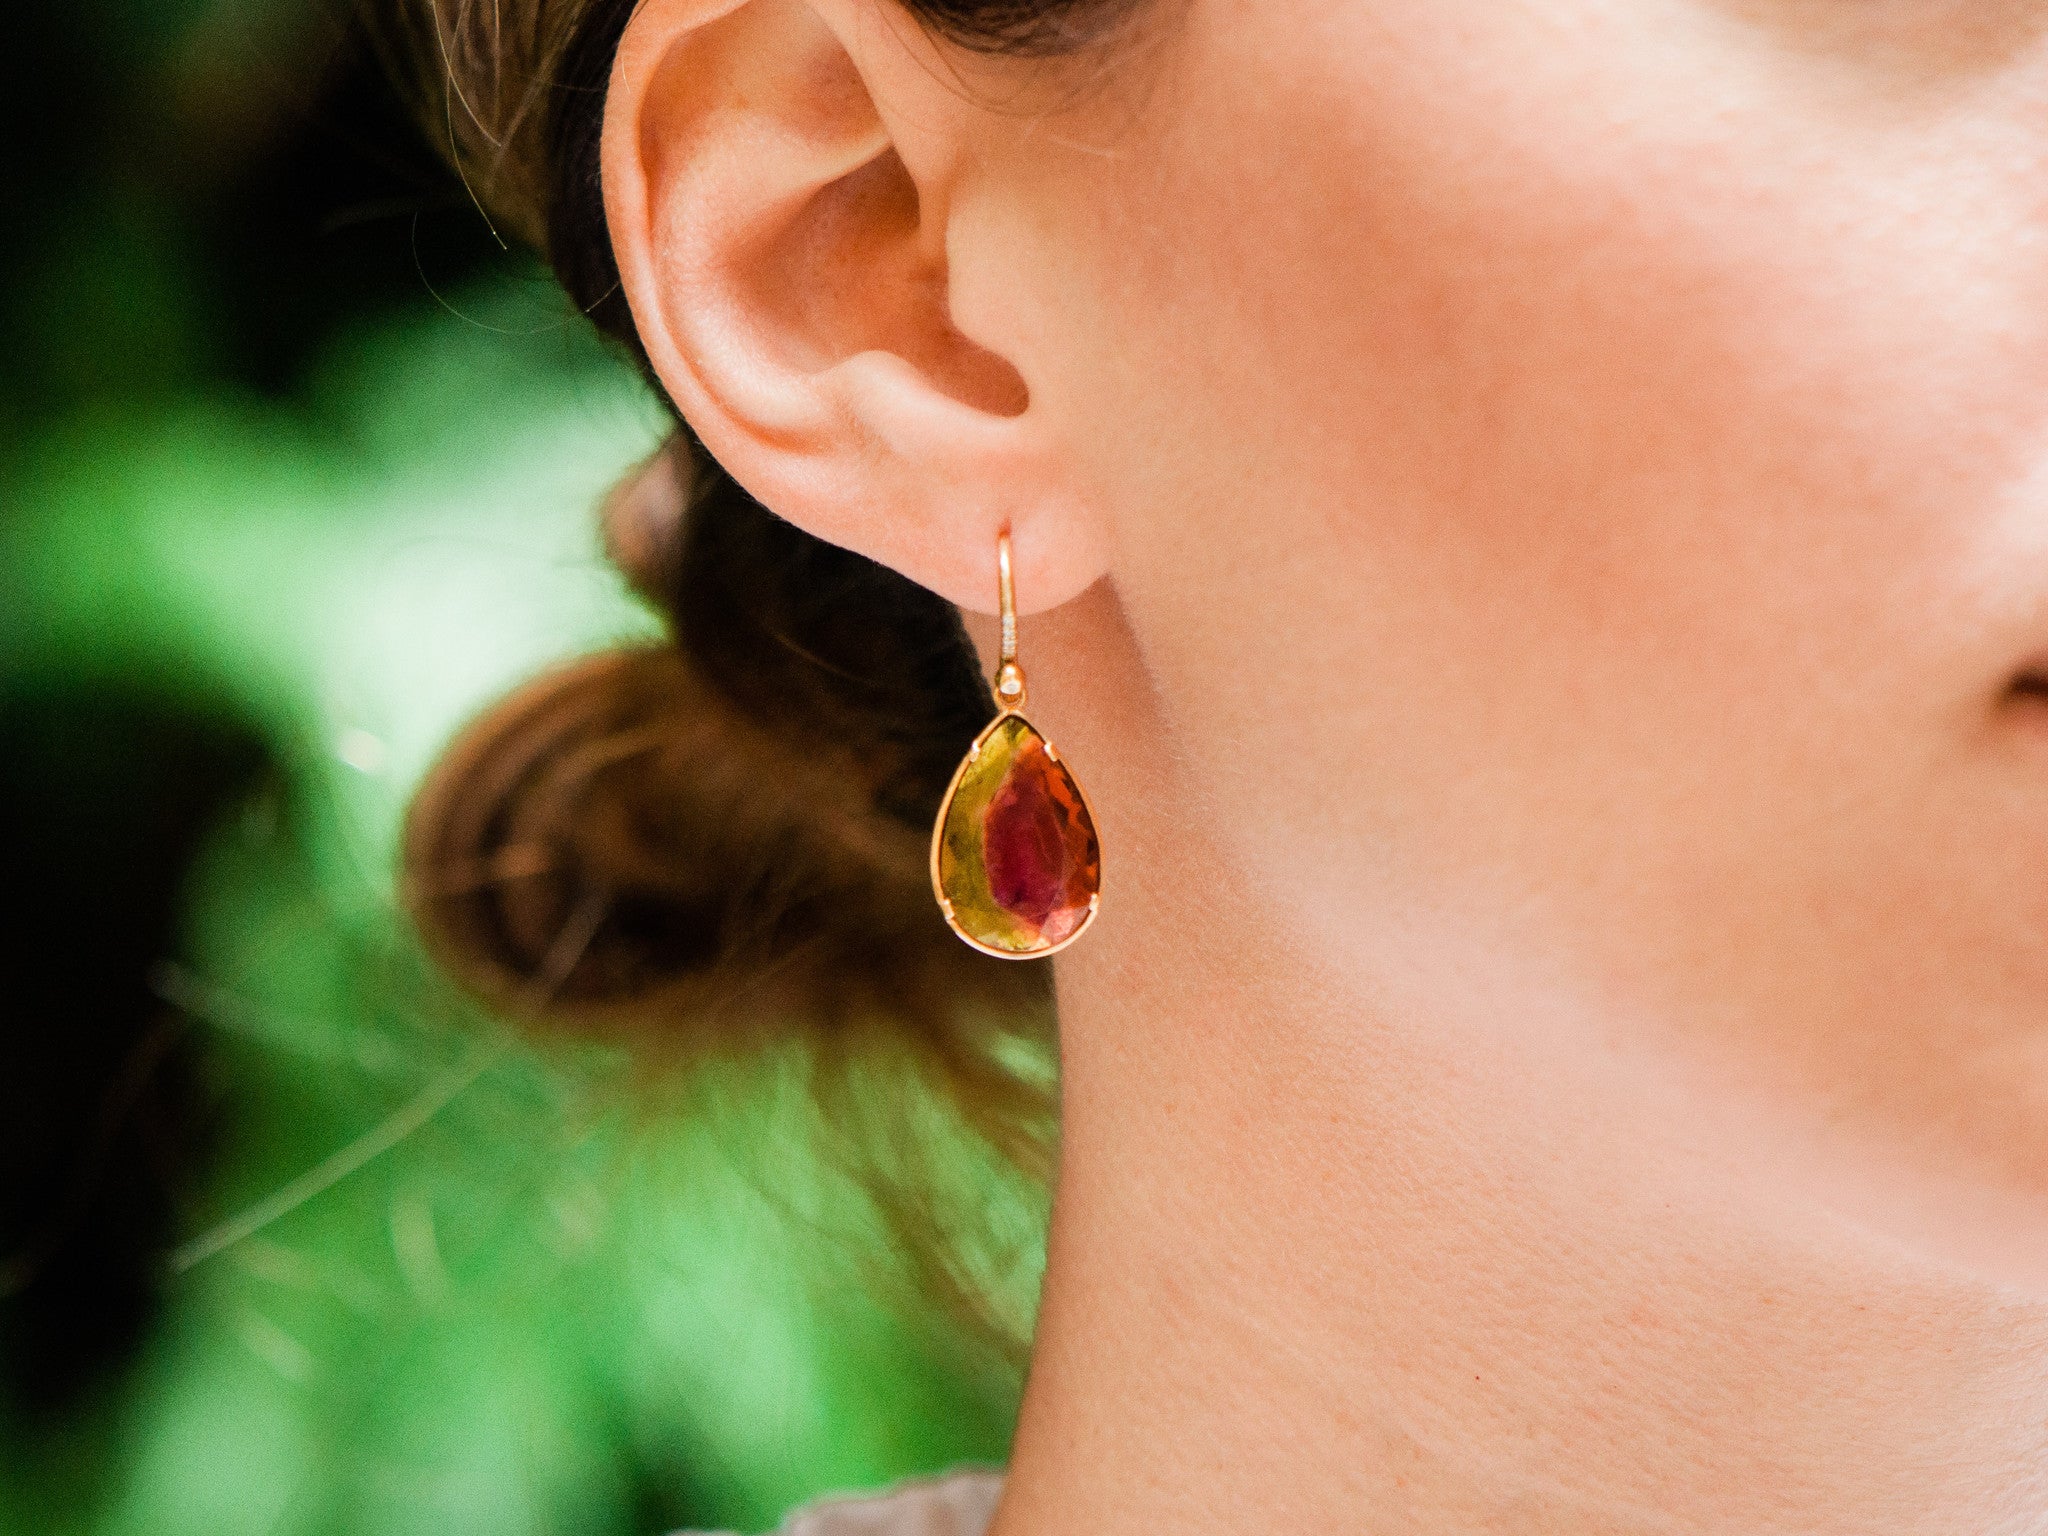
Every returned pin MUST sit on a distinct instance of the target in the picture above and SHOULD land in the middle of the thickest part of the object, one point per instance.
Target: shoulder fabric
(958, 1504)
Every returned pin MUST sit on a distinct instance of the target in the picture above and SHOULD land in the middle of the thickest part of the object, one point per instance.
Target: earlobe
(788, 277)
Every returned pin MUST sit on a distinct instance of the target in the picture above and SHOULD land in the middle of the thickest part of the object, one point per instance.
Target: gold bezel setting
(1043, 951)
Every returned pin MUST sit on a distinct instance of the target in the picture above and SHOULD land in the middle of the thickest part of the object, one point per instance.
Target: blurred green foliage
(295, 474)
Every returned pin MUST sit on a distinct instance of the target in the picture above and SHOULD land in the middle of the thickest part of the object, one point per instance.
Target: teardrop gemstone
(1015, 858)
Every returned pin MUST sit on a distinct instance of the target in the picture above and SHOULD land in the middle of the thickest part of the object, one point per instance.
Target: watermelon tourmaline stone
(1015, 857)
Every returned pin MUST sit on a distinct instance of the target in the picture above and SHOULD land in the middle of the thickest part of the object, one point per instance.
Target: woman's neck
(1329, 1261)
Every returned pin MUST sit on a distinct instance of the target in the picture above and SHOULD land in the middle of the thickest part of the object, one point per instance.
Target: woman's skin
(1546, 503)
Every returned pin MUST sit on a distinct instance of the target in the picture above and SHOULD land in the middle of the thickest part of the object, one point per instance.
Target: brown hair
(724, 838)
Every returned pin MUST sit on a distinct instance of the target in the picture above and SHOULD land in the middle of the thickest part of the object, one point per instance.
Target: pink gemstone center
(1025, 835)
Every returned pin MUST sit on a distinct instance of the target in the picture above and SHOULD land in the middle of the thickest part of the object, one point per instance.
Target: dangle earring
(1016, 864)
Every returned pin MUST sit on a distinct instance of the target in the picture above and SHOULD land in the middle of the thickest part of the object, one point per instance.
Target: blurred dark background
(296, 463)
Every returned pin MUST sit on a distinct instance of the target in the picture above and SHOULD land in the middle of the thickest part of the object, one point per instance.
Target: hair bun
(690, 839)
(614, 844)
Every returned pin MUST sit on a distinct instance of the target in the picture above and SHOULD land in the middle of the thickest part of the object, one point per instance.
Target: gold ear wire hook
(1009, 679)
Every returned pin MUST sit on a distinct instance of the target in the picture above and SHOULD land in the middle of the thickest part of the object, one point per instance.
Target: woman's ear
(787, 272)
